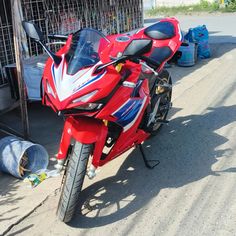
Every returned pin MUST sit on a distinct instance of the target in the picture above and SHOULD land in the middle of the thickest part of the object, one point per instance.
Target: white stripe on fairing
(134, 120)
(180, 33)
(67, 85)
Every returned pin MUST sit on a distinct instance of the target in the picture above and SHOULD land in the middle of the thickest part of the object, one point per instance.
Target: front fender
(85, 130)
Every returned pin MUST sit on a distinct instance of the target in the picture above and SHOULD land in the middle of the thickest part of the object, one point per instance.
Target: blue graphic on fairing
(128, 112)
(94, 79)
(53, 74)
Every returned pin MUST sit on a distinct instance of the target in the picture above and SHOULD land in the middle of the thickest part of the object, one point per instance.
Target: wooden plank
(16, 22)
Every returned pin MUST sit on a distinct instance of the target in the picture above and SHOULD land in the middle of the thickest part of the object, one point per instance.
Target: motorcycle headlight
(86, 97)
(89, 106)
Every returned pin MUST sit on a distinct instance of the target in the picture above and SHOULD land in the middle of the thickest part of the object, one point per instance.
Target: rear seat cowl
(161, 30)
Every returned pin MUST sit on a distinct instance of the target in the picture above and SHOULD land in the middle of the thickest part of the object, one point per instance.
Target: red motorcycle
(113, 93)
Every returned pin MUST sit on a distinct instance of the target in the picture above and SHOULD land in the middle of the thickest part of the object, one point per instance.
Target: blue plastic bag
(200, 36)
(203, 49)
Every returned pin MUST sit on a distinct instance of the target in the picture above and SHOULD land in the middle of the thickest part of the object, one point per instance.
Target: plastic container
(12, 150)
(200, 35)
(189, 54)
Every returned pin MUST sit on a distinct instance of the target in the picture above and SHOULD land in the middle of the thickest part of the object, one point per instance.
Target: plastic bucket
(189, 54)
(12, 149)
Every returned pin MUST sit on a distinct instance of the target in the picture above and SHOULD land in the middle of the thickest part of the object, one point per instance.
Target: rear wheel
(73, 182)
(160, 106)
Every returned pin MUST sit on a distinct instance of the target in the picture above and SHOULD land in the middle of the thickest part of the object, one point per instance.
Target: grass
(204, 6)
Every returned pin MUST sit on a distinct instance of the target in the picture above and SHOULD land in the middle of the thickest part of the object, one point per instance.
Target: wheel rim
(165, 101)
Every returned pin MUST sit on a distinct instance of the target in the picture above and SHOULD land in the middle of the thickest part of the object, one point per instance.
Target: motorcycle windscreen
(83, 51)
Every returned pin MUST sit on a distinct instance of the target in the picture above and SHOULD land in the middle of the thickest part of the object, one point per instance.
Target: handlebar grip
(58, 36)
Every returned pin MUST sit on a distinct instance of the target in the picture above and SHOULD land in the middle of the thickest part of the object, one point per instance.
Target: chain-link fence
(6, 38)
(67, 16)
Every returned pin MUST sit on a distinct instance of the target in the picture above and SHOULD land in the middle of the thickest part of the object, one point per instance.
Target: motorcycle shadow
(187, 149)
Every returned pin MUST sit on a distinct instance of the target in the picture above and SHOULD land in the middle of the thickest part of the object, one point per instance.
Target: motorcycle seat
(160, 31)
(161, 54)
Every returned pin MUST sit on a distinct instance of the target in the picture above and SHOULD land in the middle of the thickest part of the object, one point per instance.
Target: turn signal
(119, 67)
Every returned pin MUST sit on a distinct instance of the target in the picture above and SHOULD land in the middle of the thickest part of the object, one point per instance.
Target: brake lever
(149, 67)
(103, 66)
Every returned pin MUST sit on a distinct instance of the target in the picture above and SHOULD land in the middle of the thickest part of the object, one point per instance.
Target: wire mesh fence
(65, 17)
(6, 39)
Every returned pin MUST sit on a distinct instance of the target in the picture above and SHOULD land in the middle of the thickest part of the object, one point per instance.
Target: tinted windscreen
(83, 51)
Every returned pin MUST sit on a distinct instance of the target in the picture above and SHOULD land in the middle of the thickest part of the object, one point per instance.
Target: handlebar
(56, 43)
(151, 64)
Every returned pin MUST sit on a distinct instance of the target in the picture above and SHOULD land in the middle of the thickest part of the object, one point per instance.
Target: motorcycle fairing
(131, 134)
(85, 130)
(127, 114)
(67, 85)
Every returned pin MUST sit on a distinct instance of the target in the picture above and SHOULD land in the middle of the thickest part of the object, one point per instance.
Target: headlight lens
(89, 106)
(85, 98)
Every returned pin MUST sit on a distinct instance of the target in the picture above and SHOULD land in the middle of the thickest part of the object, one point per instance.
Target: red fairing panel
(131, 135)
(85, 130)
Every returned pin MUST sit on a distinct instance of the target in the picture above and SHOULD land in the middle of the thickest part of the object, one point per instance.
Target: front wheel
(74, 179)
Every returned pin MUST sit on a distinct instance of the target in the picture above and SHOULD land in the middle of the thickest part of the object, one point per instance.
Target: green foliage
(231, 5)
(215, 6)
(203, 6)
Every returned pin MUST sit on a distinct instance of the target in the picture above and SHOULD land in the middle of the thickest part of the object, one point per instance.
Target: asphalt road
(193, 190)
(221, 26)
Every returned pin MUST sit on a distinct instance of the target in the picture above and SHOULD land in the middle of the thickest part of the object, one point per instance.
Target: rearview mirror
(33, 31)
(138, 47)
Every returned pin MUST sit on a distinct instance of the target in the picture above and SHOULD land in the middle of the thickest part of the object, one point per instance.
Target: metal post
(16, 22)
(142, 9)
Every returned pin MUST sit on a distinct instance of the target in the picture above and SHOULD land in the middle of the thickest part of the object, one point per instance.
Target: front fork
(84, 130)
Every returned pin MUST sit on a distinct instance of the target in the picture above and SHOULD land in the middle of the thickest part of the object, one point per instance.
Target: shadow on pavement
(8, 194)
(21, 230)
(186, 149)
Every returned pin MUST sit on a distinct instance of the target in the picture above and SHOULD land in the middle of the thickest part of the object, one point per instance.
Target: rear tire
(161, 114)
(74, 179)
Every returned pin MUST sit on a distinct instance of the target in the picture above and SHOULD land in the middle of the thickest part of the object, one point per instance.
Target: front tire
(74, 179)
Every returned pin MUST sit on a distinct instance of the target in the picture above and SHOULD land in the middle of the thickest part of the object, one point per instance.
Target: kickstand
(146, 161)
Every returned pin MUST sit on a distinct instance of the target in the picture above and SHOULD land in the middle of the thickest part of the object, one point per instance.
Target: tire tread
(74, 180)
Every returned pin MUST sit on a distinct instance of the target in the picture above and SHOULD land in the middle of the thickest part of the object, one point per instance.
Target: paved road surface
(193, 190)
(221, 26)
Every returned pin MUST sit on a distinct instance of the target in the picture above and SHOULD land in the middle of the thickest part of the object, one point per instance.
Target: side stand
(146, 161)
